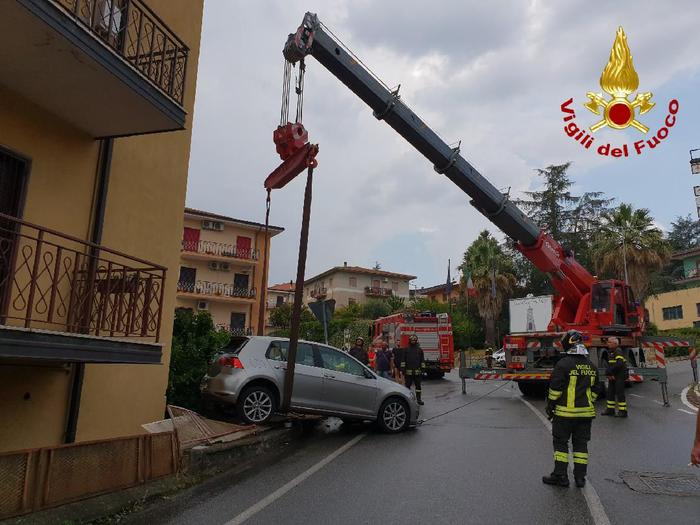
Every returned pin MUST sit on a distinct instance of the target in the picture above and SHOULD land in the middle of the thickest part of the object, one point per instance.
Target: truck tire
(532, 388)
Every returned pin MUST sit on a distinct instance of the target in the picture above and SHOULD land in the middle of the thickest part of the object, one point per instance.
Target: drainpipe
(104, 163)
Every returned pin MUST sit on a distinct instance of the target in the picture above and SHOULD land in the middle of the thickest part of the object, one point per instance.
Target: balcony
(215, 251)
(214, 291)
(109, 67)
(376, 291)
(235, 331)
(319, 293)
(65, 299)
(689, 276)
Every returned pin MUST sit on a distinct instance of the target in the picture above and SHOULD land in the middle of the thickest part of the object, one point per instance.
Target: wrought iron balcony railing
(54, 281)
(233, 330)
(215, 289)
(220, 249)
(318, 293)
(135, 33)
(378, 291)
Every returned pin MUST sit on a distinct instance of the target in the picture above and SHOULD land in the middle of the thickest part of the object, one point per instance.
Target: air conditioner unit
(386, 279)
(215, 265)
(218, 226)
(225, 266)
(202, 305)
(206, 225)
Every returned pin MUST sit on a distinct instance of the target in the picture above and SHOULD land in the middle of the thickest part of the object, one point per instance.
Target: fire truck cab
(434, 332)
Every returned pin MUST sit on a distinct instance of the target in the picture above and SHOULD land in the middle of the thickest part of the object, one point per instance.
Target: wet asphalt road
(479, 464)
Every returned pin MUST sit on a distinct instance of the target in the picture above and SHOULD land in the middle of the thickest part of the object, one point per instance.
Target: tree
(396, 303)
(492, 274)
(584, 221)
(629, 236)
(374, 309)
(684, 234)
(281, 316)
(195, 342)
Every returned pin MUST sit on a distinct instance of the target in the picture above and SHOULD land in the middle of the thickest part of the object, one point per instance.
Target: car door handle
(282, 367)
(329, 376)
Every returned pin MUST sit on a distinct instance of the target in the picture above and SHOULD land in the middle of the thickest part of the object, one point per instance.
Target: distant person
(617, 375)
(383, 361)
(358, 351)
(397, 355)
(413, 365)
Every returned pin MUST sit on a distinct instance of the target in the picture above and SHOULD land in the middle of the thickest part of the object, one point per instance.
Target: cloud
(491, 74)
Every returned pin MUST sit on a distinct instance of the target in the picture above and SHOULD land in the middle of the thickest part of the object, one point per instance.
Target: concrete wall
(143, 218)
(688, 299)
(339, 288)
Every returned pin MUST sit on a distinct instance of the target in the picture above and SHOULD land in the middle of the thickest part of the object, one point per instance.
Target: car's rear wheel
(256, 405)
(394, 416)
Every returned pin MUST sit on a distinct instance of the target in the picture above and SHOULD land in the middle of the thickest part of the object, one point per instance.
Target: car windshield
(235, 345)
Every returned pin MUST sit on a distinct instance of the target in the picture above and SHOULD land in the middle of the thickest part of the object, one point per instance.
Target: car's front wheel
(393, 416)
(256, 405)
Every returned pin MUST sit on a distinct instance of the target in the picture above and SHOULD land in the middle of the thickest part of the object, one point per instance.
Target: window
(672, 312)
(330, 282)
(395, 286)
(339, 362)
(696, 324)
(279, 301)
(277, 351)
(351, 300)
(353, 282)
(697, 307)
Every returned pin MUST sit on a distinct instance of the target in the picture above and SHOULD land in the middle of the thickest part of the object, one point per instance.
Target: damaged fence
(35, 479)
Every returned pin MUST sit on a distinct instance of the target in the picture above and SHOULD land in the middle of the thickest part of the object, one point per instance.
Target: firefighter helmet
(413, 338)
(571, 339)
(360, 340)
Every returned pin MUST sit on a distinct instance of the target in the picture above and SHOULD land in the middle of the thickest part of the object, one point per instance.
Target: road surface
(480, 464)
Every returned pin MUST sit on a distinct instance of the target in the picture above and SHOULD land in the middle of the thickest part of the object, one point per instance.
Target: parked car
(250, 377)
(499, 357)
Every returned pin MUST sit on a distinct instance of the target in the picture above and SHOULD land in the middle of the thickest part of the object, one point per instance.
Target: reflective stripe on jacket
(574, 387)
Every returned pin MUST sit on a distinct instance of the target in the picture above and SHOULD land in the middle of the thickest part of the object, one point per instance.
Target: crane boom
(568, 277)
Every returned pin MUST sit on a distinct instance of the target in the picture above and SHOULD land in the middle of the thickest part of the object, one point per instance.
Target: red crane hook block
(301, 159)
(289, 139)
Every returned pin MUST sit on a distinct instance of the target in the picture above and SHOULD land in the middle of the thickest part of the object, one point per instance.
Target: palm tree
(492, 274)
(628, 245)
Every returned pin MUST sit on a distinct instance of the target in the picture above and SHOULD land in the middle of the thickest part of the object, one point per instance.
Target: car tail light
(230, 361)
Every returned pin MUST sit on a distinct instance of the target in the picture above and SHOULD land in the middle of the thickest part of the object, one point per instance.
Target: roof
(284, 287)
(437, 288)
(209, 215)
(361, 270)
(686, 253)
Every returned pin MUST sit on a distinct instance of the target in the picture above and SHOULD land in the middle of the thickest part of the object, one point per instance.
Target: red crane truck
(597, 308)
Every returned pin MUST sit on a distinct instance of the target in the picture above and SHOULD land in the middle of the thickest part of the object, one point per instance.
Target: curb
(197, 465)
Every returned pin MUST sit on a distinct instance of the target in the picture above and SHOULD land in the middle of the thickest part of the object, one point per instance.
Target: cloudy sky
(492, 74)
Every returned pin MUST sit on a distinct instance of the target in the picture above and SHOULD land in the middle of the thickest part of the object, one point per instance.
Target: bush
(195, 342)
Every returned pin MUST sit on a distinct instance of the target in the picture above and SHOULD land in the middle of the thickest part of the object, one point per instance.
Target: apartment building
(439, 293)
(356, 285)
(221, 269)
(277, 295)
(96, 102)
(679, 308)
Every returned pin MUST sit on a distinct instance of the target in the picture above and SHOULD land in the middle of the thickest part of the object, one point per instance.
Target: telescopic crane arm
(569, 278)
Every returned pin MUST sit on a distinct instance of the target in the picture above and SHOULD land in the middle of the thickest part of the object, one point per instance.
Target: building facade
(439, 293)
(277, 295)
(356, 285)
(679, 308)
(96, 102)
(221, 269)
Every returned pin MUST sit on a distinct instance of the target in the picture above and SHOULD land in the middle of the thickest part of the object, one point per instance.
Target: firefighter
(573, 389)
(413, 365)
(617, 375)
(397, 354)
(358, 351)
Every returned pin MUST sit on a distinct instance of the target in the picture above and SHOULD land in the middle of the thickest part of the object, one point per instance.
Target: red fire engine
(434, 332)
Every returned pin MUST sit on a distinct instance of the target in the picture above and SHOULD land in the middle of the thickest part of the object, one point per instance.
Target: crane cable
(482, 396)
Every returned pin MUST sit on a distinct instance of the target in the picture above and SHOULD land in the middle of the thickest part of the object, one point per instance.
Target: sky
(491, 74)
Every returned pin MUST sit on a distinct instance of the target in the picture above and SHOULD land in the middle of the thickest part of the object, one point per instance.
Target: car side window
(339, 362)
(277, 351)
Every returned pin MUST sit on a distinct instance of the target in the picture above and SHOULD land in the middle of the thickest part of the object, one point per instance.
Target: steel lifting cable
(423, 421)
(266, 254)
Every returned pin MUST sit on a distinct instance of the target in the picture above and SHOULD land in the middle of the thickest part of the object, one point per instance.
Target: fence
(36, 479)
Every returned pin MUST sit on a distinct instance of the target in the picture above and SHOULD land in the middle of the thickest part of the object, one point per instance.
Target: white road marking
(657, 401)
(686, 411)
(637, 395)
(684, 399)
(271, 498)
(595, 506)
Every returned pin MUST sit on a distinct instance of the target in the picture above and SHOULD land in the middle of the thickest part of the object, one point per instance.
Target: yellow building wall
(144, 218)
(688, 299)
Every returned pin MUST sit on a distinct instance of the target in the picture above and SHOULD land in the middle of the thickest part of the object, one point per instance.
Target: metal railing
(215, 289)
(52, 280)
(378, 291)
(220, 249)
(319, 292)
(135, 33)
(235, 330)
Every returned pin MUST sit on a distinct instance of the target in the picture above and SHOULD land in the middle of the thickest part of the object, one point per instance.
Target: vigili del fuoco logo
(619, 80)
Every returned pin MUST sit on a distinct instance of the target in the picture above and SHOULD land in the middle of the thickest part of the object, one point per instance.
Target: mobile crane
(597, 308)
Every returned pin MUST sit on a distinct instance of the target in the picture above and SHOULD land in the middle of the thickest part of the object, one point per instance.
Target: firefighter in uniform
(617, 375)
(573, 389)
(358, 351)
(413, 365)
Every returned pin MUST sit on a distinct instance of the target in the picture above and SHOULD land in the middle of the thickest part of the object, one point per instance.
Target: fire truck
(434, 332)
(597, 308)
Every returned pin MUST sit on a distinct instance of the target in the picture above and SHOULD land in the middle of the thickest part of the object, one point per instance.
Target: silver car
(326, 381)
